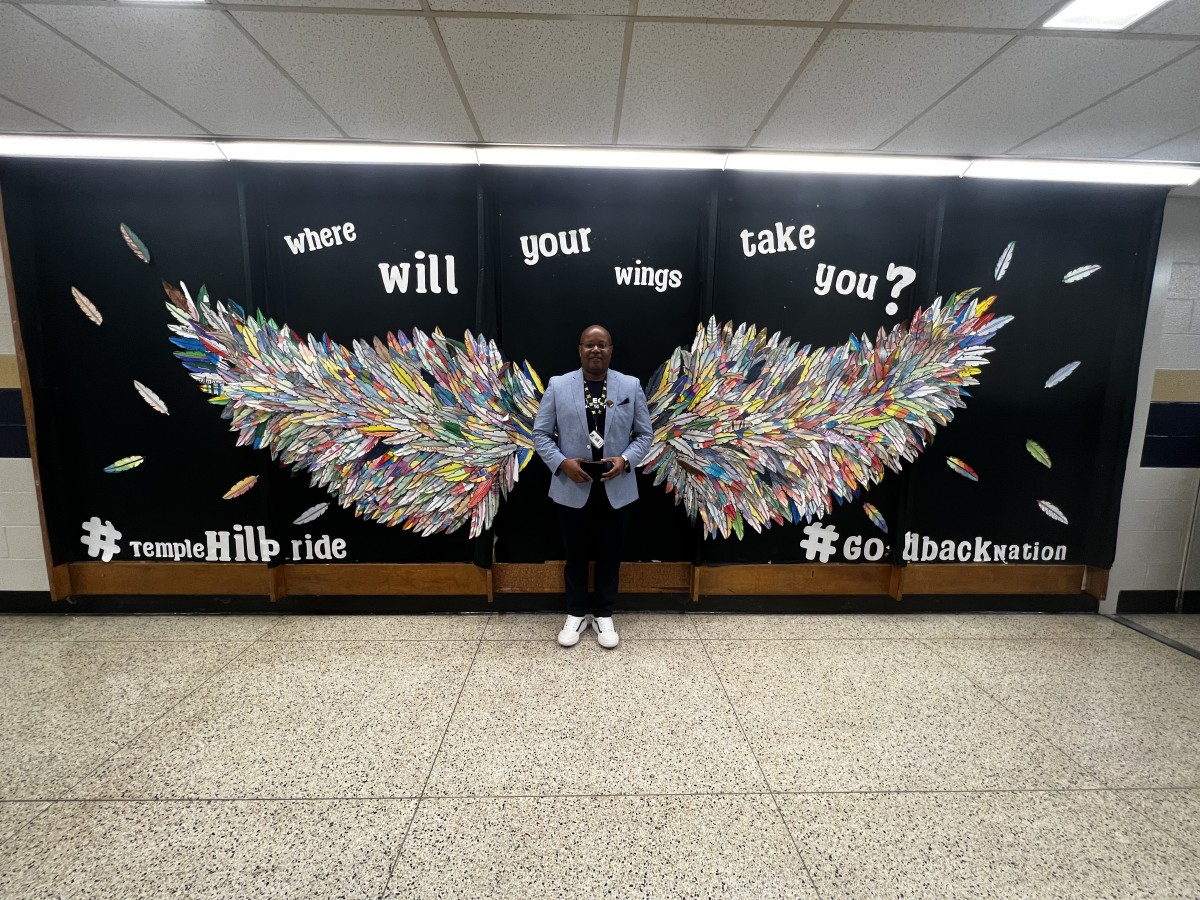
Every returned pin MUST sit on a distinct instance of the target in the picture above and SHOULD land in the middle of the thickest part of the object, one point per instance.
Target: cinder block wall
(1163, 469)
(22, 559)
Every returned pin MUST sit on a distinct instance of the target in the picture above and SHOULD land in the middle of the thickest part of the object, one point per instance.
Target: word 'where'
(428, 269)
(319, 240)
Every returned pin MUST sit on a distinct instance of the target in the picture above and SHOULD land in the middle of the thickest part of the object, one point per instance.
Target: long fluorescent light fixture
(1092, 172)
(602, 157)
(1102, 15)
(81, 147)
(834, 164)
(347, 152)
(107, 148)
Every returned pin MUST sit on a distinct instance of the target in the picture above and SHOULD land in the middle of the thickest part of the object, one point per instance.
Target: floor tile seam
(547, 795)
(432, 764)
(1194, 851)
(21, 827)
(762, 773)
(1086, 770)
(122, 745)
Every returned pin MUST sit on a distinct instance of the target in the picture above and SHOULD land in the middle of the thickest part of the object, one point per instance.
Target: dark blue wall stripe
(1172, 436)
(14, 440)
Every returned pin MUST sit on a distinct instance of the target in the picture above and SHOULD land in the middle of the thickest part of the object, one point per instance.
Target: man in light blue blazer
(592, 428)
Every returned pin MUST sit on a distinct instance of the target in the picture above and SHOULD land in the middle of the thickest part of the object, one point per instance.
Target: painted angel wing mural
(754, 429)
(427, 433)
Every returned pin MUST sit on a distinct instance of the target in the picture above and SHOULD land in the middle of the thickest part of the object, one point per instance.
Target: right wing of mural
(428, 434)
(758, 430)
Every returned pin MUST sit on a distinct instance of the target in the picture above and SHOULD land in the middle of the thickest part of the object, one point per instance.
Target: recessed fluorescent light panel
(61, 147)
(346, 152)
(1094, 172)
(604, 158)
(1102, 15)
(847, 164)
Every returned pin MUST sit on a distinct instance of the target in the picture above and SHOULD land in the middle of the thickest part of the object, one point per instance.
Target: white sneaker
(572, 629)
(606, 632)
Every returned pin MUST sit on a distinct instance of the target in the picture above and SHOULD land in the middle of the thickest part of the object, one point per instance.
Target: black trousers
(594, 532)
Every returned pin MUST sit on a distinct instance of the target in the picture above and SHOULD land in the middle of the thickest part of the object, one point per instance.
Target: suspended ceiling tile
(560, 7)
(1033, 84)
(972, 13)
(531, 81)
(17, 118)
(377, 76)
(706, 85)
(44, 72)
(891, 75)
(1185, 148)
(197, 61)
(1178, 17)
(1147, 113)
(793, 10)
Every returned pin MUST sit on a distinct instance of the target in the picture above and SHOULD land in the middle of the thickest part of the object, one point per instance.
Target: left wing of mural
(428, 433)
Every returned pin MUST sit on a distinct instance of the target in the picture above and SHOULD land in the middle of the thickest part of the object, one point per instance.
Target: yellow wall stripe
(1176, 386)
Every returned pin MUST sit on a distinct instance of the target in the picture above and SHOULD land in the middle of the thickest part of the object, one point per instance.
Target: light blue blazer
(560, 431)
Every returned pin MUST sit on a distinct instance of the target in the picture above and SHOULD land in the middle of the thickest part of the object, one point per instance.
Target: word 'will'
(319, 240)
(428, 274)
(539, 246)
(639, 275)
(778, 241)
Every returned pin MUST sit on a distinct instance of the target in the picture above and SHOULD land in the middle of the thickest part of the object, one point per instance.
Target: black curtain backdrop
(688, 235)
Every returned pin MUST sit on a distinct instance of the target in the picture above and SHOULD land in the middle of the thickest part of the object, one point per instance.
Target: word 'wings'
(757, 430)
(427, 434)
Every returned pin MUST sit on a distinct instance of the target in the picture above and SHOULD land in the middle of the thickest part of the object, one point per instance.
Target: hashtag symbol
(820, 541)
(100, 538)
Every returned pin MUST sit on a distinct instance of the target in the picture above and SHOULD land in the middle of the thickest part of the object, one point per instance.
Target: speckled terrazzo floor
(709, 756)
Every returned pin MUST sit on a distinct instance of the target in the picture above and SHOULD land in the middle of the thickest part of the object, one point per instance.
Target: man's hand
(573, 471)
(618, 466)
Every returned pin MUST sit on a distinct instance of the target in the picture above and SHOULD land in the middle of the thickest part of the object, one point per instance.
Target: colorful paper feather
(1005, 260)
(89, 308)
(750, 428)
(135, 243)
(1062, 374)
(1052, 511)
(151, 398)
(1036, 451)
(1079, 274)
(876, 516)
(961, 468)
(313, 512)
(428, 433)
(125, 464)
(240, 488)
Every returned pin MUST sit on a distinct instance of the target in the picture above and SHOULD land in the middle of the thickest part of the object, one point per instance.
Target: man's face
(595, 351)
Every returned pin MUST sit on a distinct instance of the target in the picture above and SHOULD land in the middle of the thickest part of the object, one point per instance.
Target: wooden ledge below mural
(467, 580)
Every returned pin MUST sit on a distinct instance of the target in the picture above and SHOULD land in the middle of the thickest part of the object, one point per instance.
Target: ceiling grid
(951, 77)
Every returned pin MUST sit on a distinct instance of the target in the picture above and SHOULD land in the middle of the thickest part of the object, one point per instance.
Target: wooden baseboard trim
(982, 578)
(468, 580)
(794, 579)
(636, 578)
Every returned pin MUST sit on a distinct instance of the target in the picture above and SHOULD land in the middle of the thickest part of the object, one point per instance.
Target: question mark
(907, 276)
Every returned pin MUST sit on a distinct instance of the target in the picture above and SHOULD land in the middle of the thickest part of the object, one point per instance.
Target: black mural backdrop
(530, 257)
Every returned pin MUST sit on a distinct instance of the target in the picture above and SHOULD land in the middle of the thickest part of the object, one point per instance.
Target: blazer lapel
(578, 404)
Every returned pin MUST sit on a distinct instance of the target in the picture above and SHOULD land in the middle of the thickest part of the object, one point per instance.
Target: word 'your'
(538, 246)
